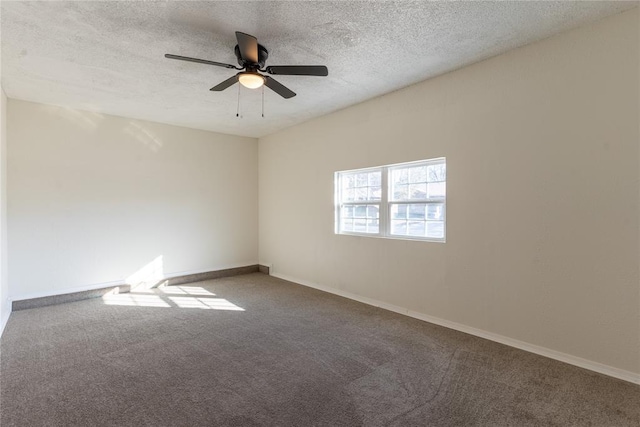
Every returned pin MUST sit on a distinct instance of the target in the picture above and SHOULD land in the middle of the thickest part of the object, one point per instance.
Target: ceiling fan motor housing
(263, 54)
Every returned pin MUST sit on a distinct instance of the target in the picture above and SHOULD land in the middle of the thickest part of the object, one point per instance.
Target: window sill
(378, 236)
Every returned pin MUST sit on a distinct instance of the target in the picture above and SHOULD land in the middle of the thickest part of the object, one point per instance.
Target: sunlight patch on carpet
(205, 303)
(134, 300)
(184, 290)
(164, 296)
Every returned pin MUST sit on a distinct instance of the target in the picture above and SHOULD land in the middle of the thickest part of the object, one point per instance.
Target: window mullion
(384, 202)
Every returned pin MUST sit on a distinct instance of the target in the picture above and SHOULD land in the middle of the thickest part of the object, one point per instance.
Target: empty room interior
(380, 213)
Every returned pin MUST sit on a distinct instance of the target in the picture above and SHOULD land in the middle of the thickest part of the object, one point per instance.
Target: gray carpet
(293, 357)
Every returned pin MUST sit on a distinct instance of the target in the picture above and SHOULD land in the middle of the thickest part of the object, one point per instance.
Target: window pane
(418, 174)
(361, 194)
(360, 218)
(346, 224)
(360, 225)
(375, 193)
(398, 211)
(417, 212)
(435, 211)
(411, 184)
(348, 195)
(398, 227)
(400, 176)
(435, 229)
(417, 222)
(437, 172)
(345, 181)
(436, 189)
(416, 228)
(348, 181)
(400, 192)
(418, 191)
(362, 186)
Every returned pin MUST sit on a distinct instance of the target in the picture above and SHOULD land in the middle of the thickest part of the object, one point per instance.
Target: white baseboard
(66, 290)
(542, 351)
(120, 282)
(207, 270)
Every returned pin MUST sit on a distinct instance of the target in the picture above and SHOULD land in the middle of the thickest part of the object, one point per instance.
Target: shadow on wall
(149, 288)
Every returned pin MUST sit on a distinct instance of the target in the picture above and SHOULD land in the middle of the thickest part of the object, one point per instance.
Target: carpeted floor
(255, 350)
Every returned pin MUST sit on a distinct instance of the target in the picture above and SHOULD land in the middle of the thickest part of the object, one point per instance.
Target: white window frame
(385, 203)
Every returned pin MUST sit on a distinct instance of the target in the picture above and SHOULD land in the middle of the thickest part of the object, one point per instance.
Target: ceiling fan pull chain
(262, 100)
(238, 109)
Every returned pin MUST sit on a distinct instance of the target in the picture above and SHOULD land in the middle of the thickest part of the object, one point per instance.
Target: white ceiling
(108, 57)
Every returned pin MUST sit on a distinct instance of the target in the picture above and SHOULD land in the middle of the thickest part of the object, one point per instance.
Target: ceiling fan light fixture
(251, 80)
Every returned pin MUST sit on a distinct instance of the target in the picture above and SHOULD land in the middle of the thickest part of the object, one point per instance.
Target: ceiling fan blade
(201, 61)
(278, 87)
(298, 70)
(225, 84)
(248, 47)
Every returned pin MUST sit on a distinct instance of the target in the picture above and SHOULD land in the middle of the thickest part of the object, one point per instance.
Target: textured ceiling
(107, 57)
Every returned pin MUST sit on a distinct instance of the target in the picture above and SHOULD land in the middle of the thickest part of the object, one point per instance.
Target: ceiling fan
(251, 58)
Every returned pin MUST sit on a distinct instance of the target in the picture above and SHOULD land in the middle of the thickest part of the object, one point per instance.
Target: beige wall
(92, 199)
(542, 212)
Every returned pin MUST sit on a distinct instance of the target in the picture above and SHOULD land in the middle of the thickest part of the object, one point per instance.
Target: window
(405, 201)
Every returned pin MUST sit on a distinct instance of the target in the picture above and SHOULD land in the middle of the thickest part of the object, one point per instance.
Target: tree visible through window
(405, 200)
